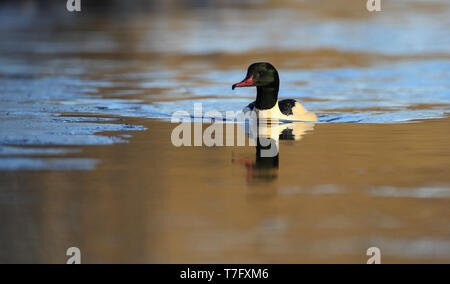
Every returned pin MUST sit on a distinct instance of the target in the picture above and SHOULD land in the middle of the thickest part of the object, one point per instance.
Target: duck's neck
(267, 97)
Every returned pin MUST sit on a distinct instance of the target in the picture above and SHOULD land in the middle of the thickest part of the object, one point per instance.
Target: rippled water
(381, 68)
(93, 93)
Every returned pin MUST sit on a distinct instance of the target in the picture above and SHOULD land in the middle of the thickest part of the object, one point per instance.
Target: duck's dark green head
(260, 74)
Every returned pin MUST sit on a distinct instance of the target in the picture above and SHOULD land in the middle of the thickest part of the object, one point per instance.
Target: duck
(264, 76)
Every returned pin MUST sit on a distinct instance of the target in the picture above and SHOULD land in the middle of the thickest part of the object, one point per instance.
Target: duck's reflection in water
(267, 135)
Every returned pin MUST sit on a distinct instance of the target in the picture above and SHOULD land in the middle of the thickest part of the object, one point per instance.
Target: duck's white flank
(299, 113)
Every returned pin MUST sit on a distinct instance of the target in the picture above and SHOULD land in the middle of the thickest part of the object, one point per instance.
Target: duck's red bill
(249, 82)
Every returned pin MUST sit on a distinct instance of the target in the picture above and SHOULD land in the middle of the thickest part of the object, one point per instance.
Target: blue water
(65, 80)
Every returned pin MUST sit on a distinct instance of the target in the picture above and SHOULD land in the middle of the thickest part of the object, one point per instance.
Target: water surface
(86, 158)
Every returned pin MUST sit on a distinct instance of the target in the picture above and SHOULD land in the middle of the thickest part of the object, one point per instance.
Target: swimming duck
(265, 78)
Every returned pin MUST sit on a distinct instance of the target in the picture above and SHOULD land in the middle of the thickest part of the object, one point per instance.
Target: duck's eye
(261, 73)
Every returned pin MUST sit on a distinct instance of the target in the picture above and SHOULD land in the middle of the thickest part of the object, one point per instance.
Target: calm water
(86, 158)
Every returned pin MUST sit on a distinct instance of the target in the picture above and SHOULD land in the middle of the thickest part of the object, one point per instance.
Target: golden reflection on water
(328, 200)
(326, 197)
